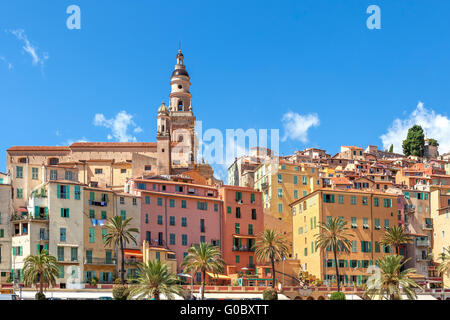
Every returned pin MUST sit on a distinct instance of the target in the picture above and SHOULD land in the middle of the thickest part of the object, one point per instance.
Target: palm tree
(395, 236)
(391, 279)
(203, 258)
(41, 268)
(271, 246)
(444, 265)
(155, 279)
(333, 235)
(118, 233)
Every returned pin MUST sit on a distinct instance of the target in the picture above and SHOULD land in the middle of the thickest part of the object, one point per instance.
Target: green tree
(391, 148)
(203, 258)
(271, 246)
(118, 233)
(41, 268)
(444, 264)
(414, 144)
(390, 281)
(155, 279)
(333, 235)
(395, 236)
(433, 142)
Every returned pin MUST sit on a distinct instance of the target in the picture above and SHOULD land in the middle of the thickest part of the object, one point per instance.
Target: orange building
(243, 221)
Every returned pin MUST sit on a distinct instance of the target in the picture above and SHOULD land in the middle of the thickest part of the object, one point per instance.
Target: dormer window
(53, 161)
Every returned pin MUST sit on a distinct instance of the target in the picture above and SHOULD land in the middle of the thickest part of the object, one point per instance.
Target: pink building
(176, 215)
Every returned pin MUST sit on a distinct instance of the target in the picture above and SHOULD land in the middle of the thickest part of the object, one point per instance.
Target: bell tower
(182, 120)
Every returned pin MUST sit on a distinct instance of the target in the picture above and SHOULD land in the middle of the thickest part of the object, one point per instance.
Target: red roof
(132, 252)
(38, 148)
(113, 145)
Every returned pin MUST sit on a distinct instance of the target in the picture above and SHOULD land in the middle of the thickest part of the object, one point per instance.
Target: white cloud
(36, 58)
(436, 126)
(119, 126)
(296, 126)
(9, 64)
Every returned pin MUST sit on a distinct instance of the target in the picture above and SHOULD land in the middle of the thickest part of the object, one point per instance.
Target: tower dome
(163, 109)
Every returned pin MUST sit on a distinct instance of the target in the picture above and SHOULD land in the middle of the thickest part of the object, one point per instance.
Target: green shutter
(332, 198)
(38, 247)
(46, 212)
(36, 211)
(67, 212)
(46, 247)
(370, 246)
(58, 191)
(62, 212)
(14, 251)
(67, 192)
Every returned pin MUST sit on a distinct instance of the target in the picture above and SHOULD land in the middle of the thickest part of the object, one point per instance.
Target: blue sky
(251, 64)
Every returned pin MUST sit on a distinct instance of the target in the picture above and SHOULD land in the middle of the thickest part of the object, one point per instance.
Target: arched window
(180, 105)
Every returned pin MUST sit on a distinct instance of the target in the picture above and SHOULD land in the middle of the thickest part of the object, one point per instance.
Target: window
(123, 170)
(202, 239)
(172, 220)
(365, 201)
(74, 254)
(103, 215)
(178, 188)
(353, 199)
(92, 214)
(19, 172)
(386, 223)
(228, 209)
(295, 179)
(34, 173)
(341, 199)
(280, 193)
(328, 198)
(216, 207)
(237, 259)
(183, 204)
(60, 253)
(365, 223)
(141, 186)
(98, 171)
(146, 218)
(19, 194)
(147, 200)
(253, 214)
(280, 178)
(62, 234)
(123, 214)
(92, 235)
(377, 246)
(172, 203)
(63, 192)
(252, 198)
(238, 213)
(148, 168)
(202, 205)
(160, 202)
(64, 212)
(160, 219)
(377, 224)
(366, 246)
(250, 229)
(54, 161)
(295, 194)
(184, 239)
(238, 196)
(376, 202)
(68, 175)
(353, 222)
(134, 202)
(77, 193)
(387, 203)
(172, 239)
(89, 256)
(237, 228)
(280, 208)
(184, 222)
(354, 246)
(202, 225)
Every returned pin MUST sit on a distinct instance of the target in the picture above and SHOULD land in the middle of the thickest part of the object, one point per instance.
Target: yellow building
(283, 183)
(99, 260)
(367, 215)
(440, 214)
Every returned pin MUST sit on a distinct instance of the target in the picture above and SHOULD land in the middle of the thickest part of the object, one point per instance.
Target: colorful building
(367, 215)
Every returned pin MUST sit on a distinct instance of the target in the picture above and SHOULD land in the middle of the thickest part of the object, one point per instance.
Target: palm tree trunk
(41, 284)
(203, 284)
(272, 260)
(397, 249)
(156, 295)
(337, 269)
(122, 267)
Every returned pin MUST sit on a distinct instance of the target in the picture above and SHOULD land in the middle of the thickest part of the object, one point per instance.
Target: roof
(38, 148)
(340, 180)
(113, 145)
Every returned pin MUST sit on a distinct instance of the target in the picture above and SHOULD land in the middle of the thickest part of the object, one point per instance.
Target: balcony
(422, 243)
(243, 249)
(421, 258)
(427, 226)
(28, 217)
(98, 203)
(101, 261)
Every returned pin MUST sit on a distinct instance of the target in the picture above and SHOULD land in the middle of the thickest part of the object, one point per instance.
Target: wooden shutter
(58, 191)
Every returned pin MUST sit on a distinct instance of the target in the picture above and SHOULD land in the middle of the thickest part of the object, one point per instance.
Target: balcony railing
(422, 243)
(427, 226)
(100, 261)
(19, 217)
(243, 249)
(98, 203)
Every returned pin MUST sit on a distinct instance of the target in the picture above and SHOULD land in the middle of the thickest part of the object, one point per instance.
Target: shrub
(39, 296)
(120, 292)
(270, 294)
(337, 296)
(93, 281)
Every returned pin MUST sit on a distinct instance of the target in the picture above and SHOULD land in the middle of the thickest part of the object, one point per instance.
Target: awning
(132, 252)
(218, 276)
(243, 236)
(416, 276)
(22, 210)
